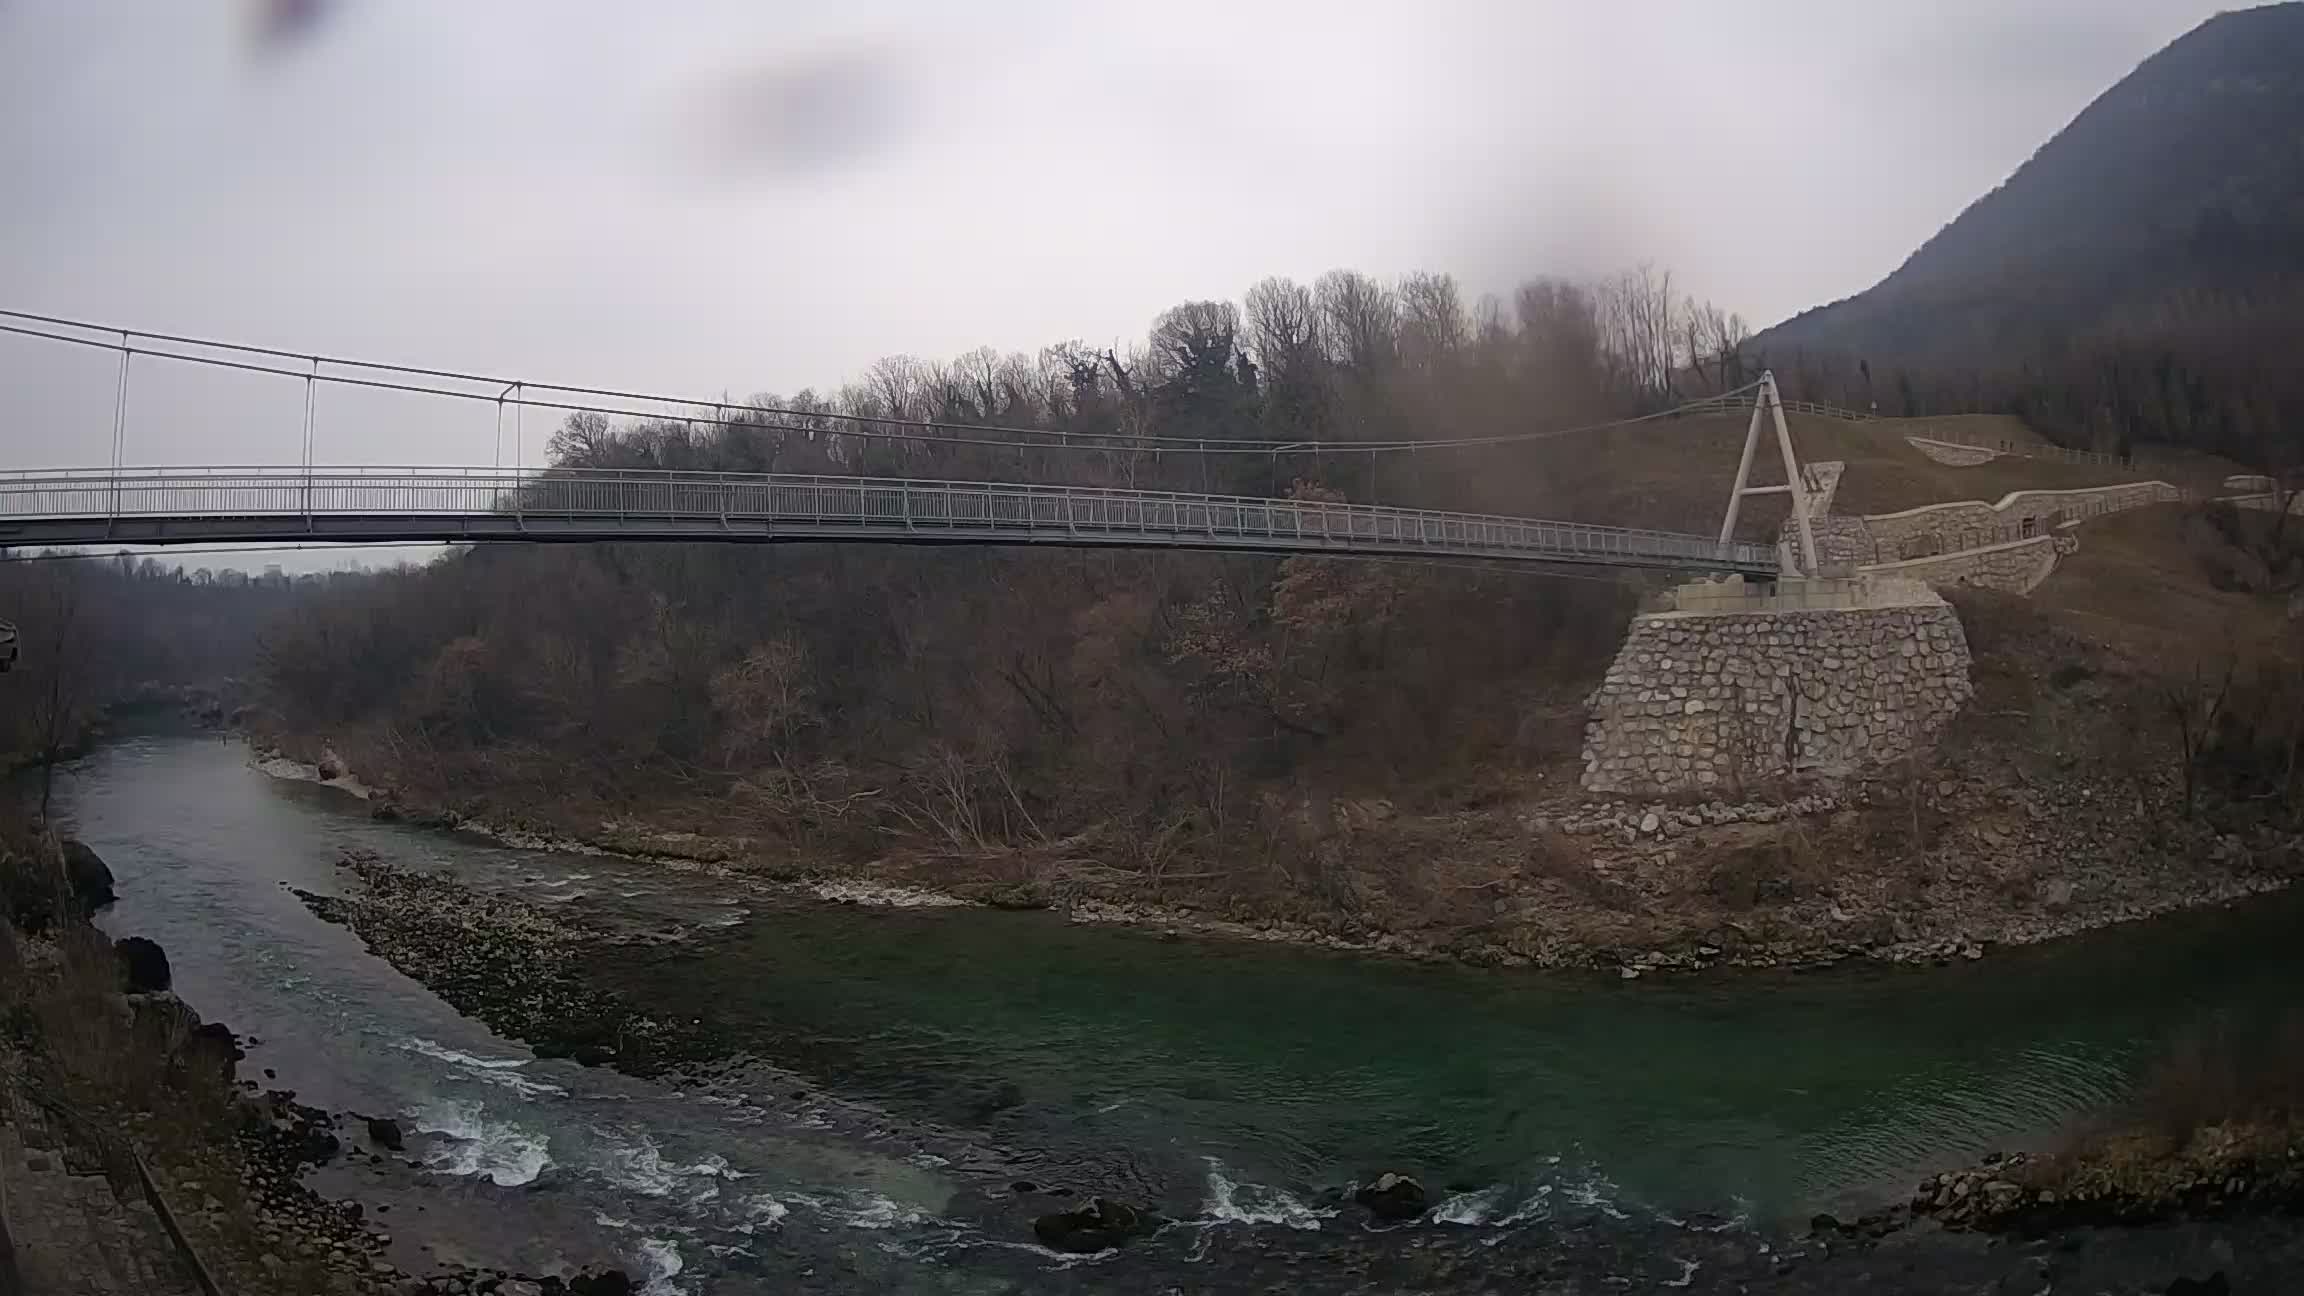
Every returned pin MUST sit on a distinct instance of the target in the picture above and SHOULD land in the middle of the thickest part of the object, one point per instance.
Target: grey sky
(744, 196)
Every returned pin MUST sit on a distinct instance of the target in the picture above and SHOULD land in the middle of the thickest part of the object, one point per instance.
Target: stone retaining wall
(2016, 567)
(1949, 524)
(1844, 539)
(1823, 482)
(1699, 702)
(1956, 456)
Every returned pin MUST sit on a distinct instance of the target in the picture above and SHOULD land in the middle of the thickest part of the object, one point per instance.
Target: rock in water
(143, 965)
(385, 1134)
(607, 1282)
(86, 874)
(211, 1044)
(1393, 1197)
(990, 1104)
(1099, 1226)
(331, 764)
(2215, 1284)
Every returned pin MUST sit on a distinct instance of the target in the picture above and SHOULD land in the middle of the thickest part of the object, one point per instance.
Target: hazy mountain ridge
(2179, 190)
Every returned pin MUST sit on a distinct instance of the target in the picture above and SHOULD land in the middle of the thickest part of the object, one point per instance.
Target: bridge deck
(373, 505)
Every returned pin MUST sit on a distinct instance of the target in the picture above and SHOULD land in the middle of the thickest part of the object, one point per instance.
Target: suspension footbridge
(307, 502)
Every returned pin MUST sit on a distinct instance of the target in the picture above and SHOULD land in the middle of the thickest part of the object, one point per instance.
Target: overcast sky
(747, 196)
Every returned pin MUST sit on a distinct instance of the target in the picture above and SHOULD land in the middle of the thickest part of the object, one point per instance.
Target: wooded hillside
(2140, 279)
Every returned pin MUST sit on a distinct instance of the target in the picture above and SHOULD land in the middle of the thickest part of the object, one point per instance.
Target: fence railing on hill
(2020, 450)
(1741, 406)
(1924, 430)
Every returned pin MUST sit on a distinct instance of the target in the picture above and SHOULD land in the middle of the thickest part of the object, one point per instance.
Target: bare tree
(1639, 329)
(1284, 329)
(901, 387)
(1197, 338)
(1560, 337)
(54, 631)
(1284, 332)
(2195, 704)
(1360, 321)
(1713, 341)
(1434, 325)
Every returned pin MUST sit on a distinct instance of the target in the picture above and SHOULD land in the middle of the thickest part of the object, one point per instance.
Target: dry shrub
(1555, 855)
(33, 894)
(1780, 870)
(2229, 1070)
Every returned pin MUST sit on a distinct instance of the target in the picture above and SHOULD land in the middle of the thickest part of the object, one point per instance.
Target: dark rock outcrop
(1393, 1197)
(2214, 1284)
(211, 1044)
(1099, 1226)
(143, 965)
(85, 872)
(385, 1134)
(607, 1282)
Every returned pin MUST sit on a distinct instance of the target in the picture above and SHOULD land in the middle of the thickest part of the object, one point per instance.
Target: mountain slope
(2178, 193)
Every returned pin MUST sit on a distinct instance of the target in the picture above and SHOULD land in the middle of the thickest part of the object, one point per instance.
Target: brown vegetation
(99, 632)
(1168, 716)
(1360, 747)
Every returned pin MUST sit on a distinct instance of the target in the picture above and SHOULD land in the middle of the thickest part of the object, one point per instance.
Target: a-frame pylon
(1804, 562)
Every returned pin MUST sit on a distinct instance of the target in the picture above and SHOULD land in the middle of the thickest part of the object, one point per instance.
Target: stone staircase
(74, 1236)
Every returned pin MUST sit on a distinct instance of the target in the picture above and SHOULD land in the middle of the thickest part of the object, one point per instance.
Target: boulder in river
(1100, 1225)
(607, 1282)
(211, 1044)
(2215, 1284)
(331, 764)
(385, 1133)
(86, 874)
(1393, 1197)
(984, 1104)
(143, 965)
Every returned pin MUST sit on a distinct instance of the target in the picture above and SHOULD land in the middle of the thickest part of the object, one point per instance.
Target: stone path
(73, 1235)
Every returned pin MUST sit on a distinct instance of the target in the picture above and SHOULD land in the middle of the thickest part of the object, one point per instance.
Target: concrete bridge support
(1736, 685)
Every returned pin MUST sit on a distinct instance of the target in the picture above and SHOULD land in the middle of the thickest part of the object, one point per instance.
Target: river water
(1228, 1085)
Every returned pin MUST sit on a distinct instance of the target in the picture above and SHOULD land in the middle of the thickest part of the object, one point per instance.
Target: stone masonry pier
(1740, 685)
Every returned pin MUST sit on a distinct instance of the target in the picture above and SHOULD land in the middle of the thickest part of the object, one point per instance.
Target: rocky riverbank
(1388, 1234)
(2136, 1181)
(2132, 1176)
(1923, 871)
(103, 1068)
(508, 964)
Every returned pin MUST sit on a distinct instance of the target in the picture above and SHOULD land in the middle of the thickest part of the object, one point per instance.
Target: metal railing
(2019, 450)
(111, 1147)
(1741, 406)
(235, 504)
(1922, 430)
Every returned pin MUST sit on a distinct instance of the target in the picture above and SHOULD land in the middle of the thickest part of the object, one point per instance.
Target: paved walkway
(74, 1236)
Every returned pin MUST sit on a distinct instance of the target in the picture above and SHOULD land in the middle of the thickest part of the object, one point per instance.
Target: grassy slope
(2140, 581)
(1675, 475)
